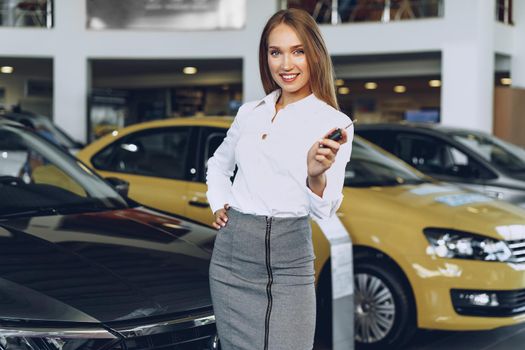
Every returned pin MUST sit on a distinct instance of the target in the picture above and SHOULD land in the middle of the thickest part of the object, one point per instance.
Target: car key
(337, 135)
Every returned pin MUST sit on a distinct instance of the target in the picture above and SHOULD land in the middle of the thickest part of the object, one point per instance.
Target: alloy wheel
(374, 308)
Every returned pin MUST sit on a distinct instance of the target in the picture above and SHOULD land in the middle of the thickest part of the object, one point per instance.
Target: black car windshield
(370, 167)
(38, 178)
(44, 127)
(503, 155)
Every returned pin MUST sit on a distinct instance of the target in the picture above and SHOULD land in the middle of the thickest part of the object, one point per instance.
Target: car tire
(404, 321)
(385, 316)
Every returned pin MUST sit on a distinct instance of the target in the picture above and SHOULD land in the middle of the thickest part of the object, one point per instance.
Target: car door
(210, 138)
(441, 160)
(157, 163)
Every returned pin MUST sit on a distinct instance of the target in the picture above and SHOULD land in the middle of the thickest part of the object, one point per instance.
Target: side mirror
(119, 185)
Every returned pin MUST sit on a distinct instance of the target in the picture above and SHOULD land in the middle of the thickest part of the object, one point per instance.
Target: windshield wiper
(30, 212)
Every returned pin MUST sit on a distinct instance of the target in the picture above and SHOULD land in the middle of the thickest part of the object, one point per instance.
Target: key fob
(335, 135)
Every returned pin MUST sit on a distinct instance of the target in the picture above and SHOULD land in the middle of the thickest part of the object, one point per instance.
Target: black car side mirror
(119, 185)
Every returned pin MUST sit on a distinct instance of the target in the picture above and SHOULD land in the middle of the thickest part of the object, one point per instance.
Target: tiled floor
(507, 338)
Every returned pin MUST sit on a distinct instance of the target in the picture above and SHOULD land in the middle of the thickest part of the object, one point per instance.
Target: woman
(261, 273)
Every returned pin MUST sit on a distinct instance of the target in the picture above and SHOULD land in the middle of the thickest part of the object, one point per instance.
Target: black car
(472, 159)
(83, 267)
(45, 127)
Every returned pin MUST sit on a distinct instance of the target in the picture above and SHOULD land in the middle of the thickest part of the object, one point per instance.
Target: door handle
(199, 204)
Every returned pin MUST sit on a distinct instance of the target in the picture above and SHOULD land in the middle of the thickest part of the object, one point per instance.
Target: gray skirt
(262, 283)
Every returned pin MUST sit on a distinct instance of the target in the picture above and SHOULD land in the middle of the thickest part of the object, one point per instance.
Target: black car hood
(102, 267)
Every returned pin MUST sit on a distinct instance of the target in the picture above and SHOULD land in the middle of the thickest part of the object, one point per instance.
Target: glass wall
(26, 13)
(166, 14)
(349, 11)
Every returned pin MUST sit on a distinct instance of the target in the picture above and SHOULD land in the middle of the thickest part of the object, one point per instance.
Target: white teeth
(288, 77)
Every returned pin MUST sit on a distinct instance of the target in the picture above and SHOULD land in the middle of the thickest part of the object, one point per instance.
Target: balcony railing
(350, 11)
(26, 13)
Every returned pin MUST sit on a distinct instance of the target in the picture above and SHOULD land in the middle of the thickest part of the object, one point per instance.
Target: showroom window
(131, 91)
(160, 153)
(26, 13)
(384, 88)
(350, 11)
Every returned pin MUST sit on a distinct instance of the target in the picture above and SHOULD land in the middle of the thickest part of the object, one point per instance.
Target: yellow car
(426, 254)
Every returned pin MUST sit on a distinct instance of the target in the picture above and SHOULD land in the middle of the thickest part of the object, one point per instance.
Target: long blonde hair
(319, 62)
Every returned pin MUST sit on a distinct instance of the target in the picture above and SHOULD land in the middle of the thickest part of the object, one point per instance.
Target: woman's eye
(274, 53)
(299, 52)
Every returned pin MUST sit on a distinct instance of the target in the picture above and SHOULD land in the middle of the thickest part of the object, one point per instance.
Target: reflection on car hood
(102, 267)
(434, 205)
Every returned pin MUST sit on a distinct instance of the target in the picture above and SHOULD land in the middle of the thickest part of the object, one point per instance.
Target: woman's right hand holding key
(221, 217)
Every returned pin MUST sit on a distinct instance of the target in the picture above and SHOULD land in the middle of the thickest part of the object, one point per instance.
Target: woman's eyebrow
(292, 47)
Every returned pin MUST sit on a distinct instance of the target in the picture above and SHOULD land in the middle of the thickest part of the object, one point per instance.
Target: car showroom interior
(111, 109)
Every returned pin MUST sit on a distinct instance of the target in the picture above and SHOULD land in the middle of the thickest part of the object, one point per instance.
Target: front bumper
(435, 281)
(488, 303)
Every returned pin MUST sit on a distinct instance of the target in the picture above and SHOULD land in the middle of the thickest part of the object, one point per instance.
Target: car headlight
(23, 338)
(463, 245)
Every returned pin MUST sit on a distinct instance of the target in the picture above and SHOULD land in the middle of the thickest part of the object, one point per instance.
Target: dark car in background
(472, 159)
(83, 267)
(45, 127)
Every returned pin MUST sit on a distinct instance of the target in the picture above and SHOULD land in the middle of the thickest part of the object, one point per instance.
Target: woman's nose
(286, 63)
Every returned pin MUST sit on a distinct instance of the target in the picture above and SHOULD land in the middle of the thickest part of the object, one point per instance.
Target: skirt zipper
(269, 284)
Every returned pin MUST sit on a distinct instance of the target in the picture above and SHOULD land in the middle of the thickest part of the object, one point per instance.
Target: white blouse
(272, 169)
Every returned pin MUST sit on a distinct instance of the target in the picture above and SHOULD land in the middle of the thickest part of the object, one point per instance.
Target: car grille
(196, 332)
(518, 250)
(197, 338)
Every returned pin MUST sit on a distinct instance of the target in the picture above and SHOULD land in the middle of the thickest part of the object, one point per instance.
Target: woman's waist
(259, 210)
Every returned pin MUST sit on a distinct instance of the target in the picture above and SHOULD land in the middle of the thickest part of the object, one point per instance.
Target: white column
(468, 64)
(258, 12)
(517, 70)
(70, 73)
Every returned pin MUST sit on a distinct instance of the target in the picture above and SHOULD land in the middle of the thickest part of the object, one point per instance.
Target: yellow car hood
(434, 205)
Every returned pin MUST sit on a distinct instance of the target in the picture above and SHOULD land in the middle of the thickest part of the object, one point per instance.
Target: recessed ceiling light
(339, 82)
(370, 85)
(189, 70)
(506, 81)
(7, 69)
(434, 83)
(400, 89)
(343, 90)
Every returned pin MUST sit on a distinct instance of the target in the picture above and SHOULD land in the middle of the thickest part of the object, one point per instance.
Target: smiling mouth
(289, 77)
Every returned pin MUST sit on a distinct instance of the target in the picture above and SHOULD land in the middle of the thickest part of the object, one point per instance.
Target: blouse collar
(306, 102)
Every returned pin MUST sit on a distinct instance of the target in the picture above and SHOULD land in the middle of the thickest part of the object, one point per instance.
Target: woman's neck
(286, 97)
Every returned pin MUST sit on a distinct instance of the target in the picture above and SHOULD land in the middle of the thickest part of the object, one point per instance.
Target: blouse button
(264, 136)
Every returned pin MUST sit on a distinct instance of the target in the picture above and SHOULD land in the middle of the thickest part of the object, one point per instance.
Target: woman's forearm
(317, 184)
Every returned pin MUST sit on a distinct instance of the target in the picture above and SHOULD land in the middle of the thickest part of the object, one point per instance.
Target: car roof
(404, 125)
(218, 121)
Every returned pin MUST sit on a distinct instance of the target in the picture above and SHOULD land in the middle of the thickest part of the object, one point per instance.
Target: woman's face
(287, 61)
